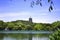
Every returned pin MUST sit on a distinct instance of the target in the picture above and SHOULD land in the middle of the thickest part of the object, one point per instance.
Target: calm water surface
(19, 36)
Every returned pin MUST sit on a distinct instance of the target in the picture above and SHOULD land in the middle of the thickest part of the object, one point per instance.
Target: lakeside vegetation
(55, 35)
(26, 25)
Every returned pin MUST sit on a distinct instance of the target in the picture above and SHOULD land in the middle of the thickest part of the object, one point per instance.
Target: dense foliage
(26, 25)
(56, 35)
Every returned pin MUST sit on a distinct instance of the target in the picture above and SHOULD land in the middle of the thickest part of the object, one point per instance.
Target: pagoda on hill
(30, 20)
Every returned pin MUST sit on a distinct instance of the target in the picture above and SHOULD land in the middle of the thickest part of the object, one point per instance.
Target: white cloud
(14, 14)
(38, 17)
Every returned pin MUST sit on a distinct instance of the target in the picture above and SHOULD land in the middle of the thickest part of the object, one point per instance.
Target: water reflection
(30, 37)
(24, 37)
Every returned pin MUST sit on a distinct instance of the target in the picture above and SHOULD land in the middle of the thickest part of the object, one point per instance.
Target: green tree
(1, 25)
(20, 25)
(55, 35)
(38, 27)
(10, 25)
(47, 27)
(56, 25)
(28, 27)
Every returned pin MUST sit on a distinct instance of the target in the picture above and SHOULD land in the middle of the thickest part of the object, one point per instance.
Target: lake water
(19, 36)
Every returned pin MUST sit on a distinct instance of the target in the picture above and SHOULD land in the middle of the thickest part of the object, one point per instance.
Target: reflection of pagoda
(30, 20)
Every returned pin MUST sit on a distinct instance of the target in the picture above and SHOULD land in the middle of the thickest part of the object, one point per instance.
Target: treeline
(26, 25)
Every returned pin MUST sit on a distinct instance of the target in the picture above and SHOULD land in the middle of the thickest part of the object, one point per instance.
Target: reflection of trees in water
(38, 35)
(18, 36)
(1, 36)
(30, 37)
(21, 36)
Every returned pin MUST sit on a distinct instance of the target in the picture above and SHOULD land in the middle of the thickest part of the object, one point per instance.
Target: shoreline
(28, 32)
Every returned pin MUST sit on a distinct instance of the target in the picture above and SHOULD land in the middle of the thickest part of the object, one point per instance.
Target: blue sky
(20, 10)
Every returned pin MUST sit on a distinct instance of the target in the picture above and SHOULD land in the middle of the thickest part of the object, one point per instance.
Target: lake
(23, 36)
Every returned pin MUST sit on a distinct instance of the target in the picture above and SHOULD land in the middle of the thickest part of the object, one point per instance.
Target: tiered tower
(30, 20)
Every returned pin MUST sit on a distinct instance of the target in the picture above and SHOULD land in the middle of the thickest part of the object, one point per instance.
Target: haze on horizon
(20, 10)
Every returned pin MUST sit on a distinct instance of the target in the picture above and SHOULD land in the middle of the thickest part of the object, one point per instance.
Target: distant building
(30, 19)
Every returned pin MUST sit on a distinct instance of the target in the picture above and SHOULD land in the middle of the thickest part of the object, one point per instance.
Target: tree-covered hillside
(26, 25)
